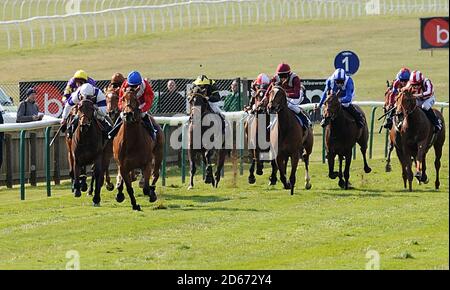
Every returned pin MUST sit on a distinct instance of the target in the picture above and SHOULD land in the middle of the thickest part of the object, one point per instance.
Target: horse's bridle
(83, 114)
(133, 110)
(333, 116)
(192, 96)
(273, 93)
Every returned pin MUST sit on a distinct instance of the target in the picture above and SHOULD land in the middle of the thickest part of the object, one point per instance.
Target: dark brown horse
(85, 148)
(415, 137)
(341, 134)
(199, 112)
(135, 149)
(289, 139)
(251, 127)
(112, 109)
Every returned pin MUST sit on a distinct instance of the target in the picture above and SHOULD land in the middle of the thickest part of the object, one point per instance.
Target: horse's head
(130, 106)
(406, 101)
(277, 99)
(198, 101)
(331, 106)
(112, 100)
(85, 113)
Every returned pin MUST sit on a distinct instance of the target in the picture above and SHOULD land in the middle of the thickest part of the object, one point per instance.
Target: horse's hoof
(388, 168)
(308, 186)
(287, 186)
(137, 207)
(259, 171)
(109, 187)
(153, 197)
(84, 186)
(120, 198)
(251, 180)
(367, 169)
(141, 183)
(96, 204)
(89, 193)
(342, 184)
(77, 193)
(208, 179)
(333, 175)
(190, 187)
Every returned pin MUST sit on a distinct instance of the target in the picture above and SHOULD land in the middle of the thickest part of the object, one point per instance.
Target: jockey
(86, 91)
(425, 97)
(145, 98)
(80, 77)
(399, 83)
(260, 86)
(211, 91)
(292, 84)
(116, 82)
(342, 85)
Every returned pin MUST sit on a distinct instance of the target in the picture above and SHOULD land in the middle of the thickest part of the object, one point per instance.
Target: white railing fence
(110, 18)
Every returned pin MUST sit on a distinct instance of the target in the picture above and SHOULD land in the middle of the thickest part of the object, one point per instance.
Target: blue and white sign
(347, 60)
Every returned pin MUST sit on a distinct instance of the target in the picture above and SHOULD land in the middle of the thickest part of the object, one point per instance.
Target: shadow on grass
(195, 208)
(371, 193)
(196, 198)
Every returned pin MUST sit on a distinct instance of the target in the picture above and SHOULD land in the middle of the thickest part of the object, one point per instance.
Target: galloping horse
(415, 137)
(341, 134)
(289, 138)
(200, 109)
(85, 148)
(252, 134)
(112, 108)
(134, 149)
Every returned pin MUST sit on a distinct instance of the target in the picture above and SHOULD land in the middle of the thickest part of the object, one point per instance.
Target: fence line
(115, 18)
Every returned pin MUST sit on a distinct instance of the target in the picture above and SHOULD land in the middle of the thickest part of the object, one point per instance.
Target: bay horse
(341, 135)
(251, 129)
(200, 111)
(415, 137)
(133, 148)
(112, 109)
(85, 148)
(289, 138)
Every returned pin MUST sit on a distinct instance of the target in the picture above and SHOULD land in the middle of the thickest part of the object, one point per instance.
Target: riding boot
(115, 129)
(149, 126)
(325, 122)
(389, 122)
(434, 120)
(306, 123)
(355, 114)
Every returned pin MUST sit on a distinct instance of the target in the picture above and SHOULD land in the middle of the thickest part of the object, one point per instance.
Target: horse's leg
(331, 173)
(91, 185)
(220, 163)
(209, 179)
(109, 185)
(126, 176)
(420, 160)
(401, 158)
(149, 190)
(348, 161)
(307, 177)
(120, 197)
(273, 175)
(99, 178)
(157, 161)
(281, 163)
(424, 178)
(388, 167)
(294, 163)
(192, 167)
(437, 163)
(259, 163)
(363, 146)
(251, 176)
(76, 181)
(83, 179)
(341, 182)
(409, 173)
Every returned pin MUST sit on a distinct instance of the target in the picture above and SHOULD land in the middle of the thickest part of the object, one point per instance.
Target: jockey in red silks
(425, 97)
(259, 86)
(292, 84)
(397, 85)
(145, 98)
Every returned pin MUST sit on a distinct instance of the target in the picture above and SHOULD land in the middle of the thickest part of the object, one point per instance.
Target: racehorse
(288, 137)
(85, 148)
(341, 134)
(112, 109)
(252, 134)
(200, 112)
(415, 137)
(133, 148)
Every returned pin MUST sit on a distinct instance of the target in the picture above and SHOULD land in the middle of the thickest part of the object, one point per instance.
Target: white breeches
(426, 104)
(294, 104)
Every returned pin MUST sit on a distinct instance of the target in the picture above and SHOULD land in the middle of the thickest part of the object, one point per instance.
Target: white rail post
(258, 12)
(95, 26)
(180, 11)
(53, 32)
(216, 14)
(38, 12)
(163, 22)
(249, 13)
(20, 36)
(266, 18)
(170, 11)
(75, 31)
(240, 13)
(198, 15)
(105, 25)
(116, 26)
(135, 20)
(152, 18)
(208, 19)
(189, 15)
(8, 36)
(273, 10)
(21, 10)
(225, 13)
(325, 10)
(46, 8)
(102, 4)
(144, 21)
(125, 19)
(55, 7)
(42, 34)
(13, 10)
(233, 14)
(4, 9)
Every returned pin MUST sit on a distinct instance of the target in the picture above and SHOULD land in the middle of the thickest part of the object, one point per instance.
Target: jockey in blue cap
(342, 85)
